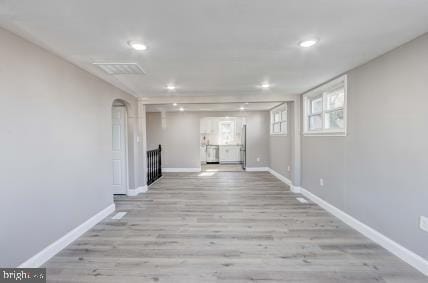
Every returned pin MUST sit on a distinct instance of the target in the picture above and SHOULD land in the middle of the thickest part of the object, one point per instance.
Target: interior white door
(119, 152)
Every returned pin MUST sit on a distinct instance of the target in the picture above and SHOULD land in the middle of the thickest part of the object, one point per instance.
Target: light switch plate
(423, 223)
(322, 182)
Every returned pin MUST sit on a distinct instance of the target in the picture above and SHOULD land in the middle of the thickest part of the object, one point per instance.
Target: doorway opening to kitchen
(222, 144)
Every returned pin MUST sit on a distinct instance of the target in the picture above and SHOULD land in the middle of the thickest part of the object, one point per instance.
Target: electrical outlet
(289, 168)
(423, 223)
(322, 182)
(258, 159)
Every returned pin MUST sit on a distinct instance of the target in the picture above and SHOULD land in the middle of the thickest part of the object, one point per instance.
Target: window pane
(316, 105)
(334, 120)
(227, 129)
(276, 128)
(335, 99)
(284, 115)
(277, 116)
(315, 122)
(284, 127)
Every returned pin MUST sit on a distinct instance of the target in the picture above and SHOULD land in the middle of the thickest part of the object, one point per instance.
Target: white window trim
(280, 108)
(319, 92)
(220, 137)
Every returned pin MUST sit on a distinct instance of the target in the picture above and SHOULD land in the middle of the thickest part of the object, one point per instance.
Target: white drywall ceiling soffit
(212, 107)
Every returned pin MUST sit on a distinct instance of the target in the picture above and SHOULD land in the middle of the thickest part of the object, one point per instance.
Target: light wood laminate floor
(221, 167)
(226, 227)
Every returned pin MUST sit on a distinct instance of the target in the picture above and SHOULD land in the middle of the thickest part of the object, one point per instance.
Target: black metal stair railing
(154, 165)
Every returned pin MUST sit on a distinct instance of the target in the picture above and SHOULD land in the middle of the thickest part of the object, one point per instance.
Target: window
(278, 120)
(227, 131)
(324, 109)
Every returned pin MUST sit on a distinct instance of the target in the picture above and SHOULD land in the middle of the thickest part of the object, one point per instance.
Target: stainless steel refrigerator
(244, 147)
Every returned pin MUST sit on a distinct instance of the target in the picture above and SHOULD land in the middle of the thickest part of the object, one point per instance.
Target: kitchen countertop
(230, 145)
(221, 144)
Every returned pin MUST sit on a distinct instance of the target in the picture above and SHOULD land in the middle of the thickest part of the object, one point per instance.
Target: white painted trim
(181, 169)
(229, 98)
(284, 180)
(126, 154)
(54, 248)
(300, 199)
(280, 177)
(281, 108)
(257, 169)
(137, 191)
(126, 149)
(319, 91)
(297, 189)
(406, 255)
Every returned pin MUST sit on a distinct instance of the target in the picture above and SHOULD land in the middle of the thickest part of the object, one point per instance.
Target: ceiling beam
(218, 99)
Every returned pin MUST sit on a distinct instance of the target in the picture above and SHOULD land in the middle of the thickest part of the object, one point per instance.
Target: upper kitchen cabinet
(221, 130)
(209, 126)
(238, 128)
(204, 126)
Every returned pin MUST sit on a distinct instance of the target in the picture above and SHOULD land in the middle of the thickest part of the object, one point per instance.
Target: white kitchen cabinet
(203, 153)
(209, 126)
(205, 126)
(230, 153)
(213, 127)
(238, 127)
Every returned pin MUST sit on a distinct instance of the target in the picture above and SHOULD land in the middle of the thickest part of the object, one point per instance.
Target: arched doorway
(119, 147)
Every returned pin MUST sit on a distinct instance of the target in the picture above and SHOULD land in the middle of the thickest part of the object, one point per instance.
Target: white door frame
(126, 154)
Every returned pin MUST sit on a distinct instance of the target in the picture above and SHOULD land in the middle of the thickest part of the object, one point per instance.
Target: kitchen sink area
(212, 154)
(221, 140)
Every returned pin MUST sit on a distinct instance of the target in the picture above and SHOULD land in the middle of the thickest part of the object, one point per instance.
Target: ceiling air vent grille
(121, 68)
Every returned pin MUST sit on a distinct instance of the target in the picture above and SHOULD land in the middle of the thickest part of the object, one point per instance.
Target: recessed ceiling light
(265, 85)
(181, 109)
(170, 87)
(308, 43)
(242, 108)
(174, 104)
(137, 45)
(246, 103)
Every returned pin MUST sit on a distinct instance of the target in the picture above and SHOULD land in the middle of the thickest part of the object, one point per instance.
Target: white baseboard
(406, 255)
(285, 180)
(137, 191)
(280, 177)
(257, 169)
(296, 189)
(181, 169)
(51, 250)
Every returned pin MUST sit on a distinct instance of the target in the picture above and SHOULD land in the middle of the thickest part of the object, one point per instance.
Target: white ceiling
(221, 47)
(262, 106)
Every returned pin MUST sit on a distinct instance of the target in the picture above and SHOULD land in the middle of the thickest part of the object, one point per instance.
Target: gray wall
(55, 147)
(280, 147)
(180, 138)
(378, 172)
